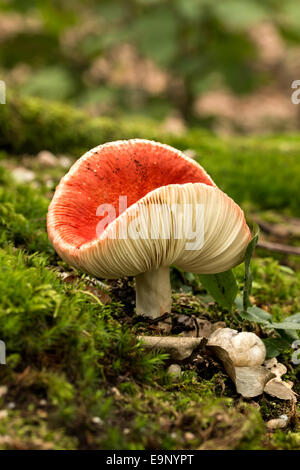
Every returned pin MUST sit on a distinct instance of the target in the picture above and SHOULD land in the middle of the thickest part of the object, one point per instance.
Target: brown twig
(290, 227)
(279, 248)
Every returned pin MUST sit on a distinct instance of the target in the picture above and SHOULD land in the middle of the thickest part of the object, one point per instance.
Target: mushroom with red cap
(133, 208)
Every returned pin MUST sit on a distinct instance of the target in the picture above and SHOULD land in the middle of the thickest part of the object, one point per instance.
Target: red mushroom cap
(144, 172)
(130, 168)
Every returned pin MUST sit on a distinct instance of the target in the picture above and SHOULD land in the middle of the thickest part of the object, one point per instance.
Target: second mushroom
(133, 208)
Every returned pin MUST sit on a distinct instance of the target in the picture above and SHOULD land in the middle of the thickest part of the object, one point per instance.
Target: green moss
(31, 432)
(174, 420)
(22, 215)
(65, 349)
(272, 408)
(286, 440)
(37, 311)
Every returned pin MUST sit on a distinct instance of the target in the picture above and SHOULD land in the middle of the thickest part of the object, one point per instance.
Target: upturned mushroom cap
(153, 177)
(245, 349)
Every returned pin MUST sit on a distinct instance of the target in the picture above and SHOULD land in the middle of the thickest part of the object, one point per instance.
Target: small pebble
(189, 436)
(175, 371)
(284, 417)
(277, 423)
(97, 420)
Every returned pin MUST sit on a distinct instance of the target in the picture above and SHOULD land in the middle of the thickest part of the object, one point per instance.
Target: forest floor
(76, 376)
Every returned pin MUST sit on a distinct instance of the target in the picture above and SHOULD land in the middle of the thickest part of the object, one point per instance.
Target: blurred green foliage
(262, 171)
(75, 50)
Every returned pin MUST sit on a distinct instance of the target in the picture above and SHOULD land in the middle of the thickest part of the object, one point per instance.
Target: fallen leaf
(23, 374)
(68, 277)
(100, 294)
(165, 325)
(279, 389)
(249, 381)
(269, 363)
(276, 367)
(204, 328)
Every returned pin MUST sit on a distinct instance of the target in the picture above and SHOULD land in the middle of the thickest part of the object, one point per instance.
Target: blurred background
(225, 65)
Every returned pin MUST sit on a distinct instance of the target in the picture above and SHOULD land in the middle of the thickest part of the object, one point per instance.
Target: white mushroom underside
(226, 235)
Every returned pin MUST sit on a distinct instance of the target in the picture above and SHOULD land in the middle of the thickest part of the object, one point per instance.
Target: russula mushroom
(245, 349)
(133, 208)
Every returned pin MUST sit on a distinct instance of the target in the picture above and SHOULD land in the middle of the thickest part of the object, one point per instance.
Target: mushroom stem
(153, 293)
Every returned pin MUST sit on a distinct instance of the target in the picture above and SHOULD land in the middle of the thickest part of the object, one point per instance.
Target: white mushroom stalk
(191, 224)
(153, 292)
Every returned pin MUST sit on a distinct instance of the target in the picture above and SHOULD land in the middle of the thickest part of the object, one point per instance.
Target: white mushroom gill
(219, 242)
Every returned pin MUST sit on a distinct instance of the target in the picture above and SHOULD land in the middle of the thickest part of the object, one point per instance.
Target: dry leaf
(165, 325)
(68, 277)
(279, 389)
(249, 381)
(100, 294)
(204, 328)
(279, 370)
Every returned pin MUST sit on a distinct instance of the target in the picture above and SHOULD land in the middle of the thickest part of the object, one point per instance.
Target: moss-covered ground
(76, 377)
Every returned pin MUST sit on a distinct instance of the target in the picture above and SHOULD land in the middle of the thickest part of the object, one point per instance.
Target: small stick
(279, 248)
